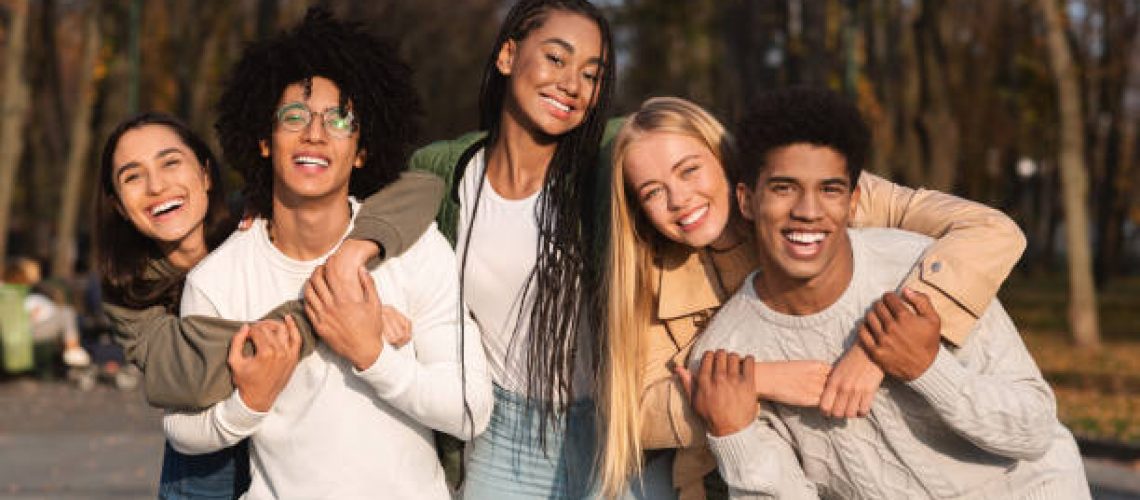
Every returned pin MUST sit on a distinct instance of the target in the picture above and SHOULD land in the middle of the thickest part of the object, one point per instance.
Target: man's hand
(851, 386)
(724, 393)
(902, 341)
(342, 266)
(794, 383)
(261, 375)
(352, 328)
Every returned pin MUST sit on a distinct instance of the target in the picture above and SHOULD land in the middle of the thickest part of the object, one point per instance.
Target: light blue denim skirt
(509, 461)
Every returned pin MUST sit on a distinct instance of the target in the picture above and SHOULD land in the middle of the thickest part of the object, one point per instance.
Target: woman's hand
(397, 329)
(794, 383)
(852, 385)
(261, 375)
(352, 327)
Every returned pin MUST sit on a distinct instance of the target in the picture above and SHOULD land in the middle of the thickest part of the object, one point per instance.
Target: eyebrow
(570, 48)
(675, 166)
(829, 181)
(133, 164)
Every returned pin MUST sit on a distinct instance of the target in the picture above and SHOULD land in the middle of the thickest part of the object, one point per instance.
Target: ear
(361, 157)
(506, 57)
(264, 146)
(206, 175)
(744, 200)
(856, 194)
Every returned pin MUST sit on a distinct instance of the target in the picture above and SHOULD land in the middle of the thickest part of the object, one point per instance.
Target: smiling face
(161, 186)
(553, 73)
(680, 185)
(799, 209)
(310, 164)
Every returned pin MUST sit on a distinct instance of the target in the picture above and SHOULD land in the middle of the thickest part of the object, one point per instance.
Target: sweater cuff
(736, 458)
(238, 418)
(391, 374)
(380, 232)
(941, 381)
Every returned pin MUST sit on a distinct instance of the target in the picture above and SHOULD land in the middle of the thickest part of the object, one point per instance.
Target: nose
(315, 130)
(679, 196)
(569, 82)
(807, 207)
(155, 183)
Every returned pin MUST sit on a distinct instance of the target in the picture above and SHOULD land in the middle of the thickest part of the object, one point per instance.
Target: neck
(518, 160)
(306, 231)
(189, 251)
(802, 297)
(730, 237)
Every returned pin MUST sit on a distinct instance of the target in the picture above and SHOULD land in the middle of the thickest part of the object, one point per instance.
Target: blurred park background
(1030, 106)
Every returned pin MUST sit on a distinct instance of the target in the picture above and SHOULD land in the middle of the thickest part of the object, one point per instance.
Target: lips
(803, 244)
(560, 109)
(311, 163)
(166, 207)
(693, 219)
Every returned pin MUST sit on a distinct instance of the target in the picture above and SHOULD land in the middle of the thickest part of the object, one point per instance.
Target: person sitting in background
(54, 324)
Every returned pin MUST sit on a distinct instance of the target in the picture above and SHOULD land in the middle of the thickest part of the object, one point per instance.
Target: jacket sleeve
(991, 392)
(183, 360)
(397, 215)
(976, 247)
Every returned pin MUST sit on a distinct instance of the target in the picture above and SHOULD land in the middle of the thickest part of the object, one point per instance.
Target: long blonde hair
(631, 292)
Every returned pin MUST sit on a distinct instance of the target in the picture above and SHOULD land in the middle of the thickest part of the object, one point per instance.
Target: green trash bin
(16, 343)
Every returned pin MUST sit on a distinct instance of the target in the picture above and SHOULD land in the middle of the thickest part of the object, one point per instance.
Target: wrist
(367, 356)
(359, 251)
(722, 429)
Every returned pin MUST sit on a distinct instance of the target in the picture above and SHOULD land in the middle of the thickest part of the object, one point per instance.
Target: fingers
(293, 339)
(320, 285)
(708, 362)
(314, 306)
(869, 342)
(368, 285)
(748, 369)
(237, 344)
(874, 324)
(864, 408)
(829, 396)
(896, 305)
(920, 302)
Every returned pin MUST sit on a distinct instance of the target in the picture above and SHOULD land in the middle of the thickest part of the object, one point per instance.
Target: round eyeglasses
(295, 117)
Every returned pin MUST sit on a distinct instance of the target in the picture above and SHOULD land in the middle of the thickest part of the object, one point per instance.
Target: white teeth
(166, 206)
(557, 104)
(311, 160)
(799, 237)
(695, 216)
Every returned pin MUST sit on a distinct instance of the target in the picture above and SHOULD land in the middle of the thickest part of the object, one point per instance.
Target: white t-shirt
(335, 432)
(500, 259)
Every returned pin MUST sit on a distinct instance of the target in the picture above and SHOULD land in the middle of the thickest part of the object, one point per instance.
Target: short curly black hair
(799, 115)
(369, 74)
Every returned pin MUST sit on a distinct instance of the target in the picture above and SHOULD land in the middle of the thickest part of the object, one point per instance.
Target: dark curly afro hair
(367, 71)
(800, 115)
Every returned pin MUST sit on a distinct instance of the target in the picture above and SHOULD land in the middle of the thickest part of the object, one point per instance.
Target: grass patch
(1098, 392)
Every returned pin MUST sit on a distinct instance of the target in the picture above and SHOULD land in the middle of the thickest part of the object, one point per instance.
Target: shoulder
(441, 156)
(735, 316)
(221, 262)
(430, 254)
(886, 246)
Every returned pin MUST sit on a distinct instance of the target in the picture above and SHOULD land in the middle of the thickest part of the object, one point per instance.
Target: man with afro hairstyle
(312, 118)
(970, 421)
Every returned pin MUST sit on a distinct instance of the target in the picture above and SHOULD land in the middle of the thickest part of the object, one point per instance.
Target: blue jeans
(221, 474)
(509, 461)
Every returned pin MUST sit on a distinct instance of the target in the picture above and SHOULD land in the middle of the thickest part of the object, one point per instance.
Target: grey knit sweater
(979, 423)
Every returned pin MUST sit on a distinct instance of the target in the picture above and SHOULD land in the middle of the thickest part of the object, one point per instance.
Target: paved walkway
(57, 442)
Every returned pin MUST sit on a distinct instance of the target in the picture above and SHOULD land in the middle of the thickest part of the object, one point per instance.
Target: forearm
(397, 215)
(213, 429)
(976, 247)
(756, 464)
(992, 393)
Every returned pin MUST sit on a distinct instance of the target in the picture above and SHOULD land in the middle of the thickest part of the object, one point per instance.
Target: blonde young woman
(678, 251)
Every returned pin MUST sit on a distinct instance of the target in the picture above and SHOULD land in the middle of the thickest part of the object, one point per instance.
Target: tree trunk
(14, 106)
(1074, 183)
(63, 261)
(939, 125)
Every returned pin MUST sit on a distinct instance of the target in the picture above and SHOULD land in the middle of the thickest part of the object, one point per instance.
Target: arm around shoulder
(975, 247)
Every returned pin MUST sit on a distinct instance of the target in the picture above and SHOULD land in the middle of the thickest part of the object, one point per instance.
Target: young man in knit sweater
(976, 421)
